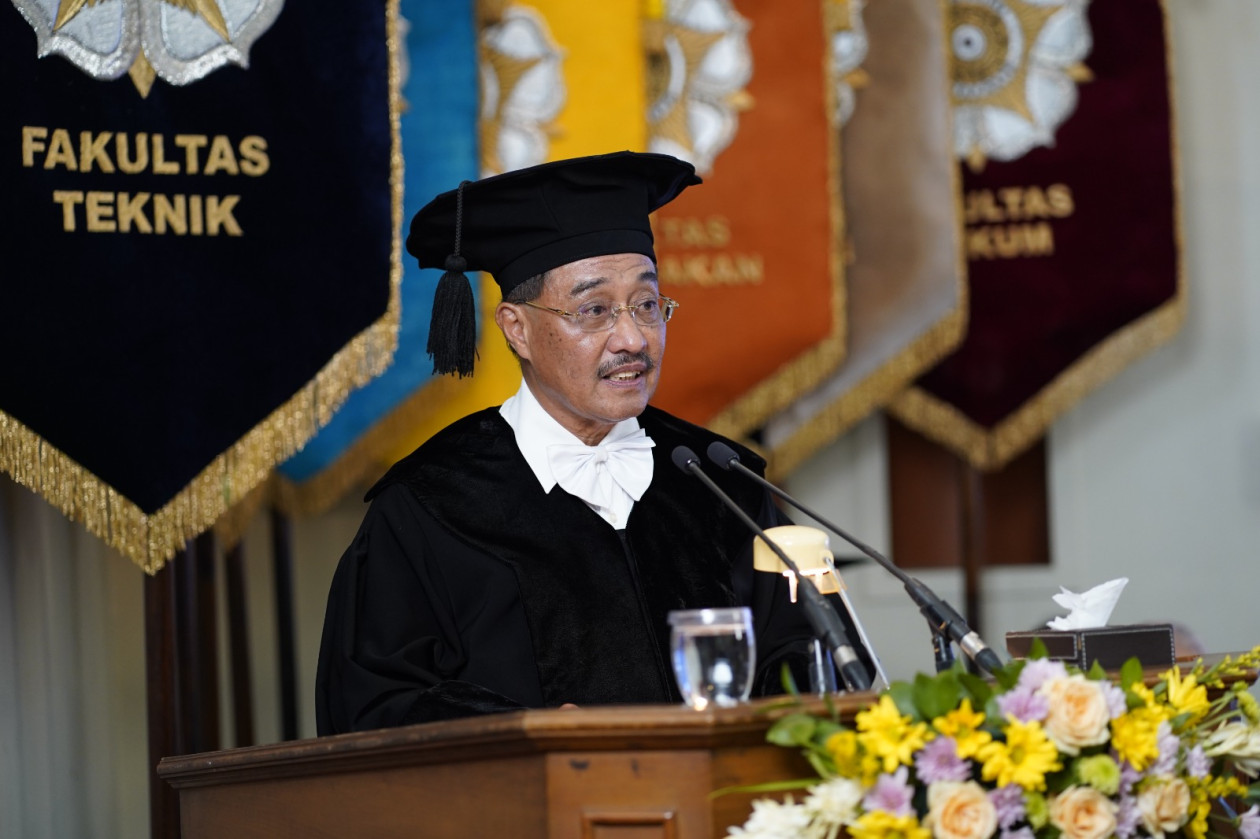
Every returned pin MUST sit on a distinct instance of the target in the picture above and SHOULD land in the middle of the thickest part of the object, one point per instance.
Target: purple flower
(891, 794)
(1115, 700)
(1198, 764)
(1127, 816)
(1008, 801)
(1023, 704)
(1024, 832)
(939, 761)
(1249, 823)
(1037, 671)
(1169, 743)
(1128, 777)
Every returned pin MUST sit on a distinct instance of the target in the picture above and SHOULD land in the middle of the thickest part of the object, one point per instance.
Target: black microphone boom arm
(822, 617)
(941, 617)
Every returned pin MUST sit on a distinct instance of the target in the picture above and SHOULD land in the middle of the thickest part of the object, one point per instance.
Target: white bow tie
(597, 473)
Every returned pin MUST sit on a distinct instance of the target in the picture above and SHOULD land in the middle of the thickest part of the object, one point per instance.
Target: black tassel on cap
(453, 327)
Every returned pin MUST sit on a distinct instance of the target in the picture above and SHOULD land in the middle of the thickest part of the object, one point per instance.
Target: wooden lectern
(628, 772)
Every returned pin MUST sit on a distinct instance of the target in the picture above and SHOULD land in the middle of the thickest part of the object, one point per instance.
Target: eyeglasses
(597, 316)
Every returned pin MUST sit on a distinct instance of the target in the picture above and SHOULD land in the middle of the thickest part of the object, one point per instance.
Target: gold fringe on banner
(990, 450)
(151, 540)
(892, 374)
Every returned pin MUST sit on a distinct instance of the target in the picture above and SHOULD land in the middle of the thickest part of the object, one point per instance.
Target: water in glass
(714, 655)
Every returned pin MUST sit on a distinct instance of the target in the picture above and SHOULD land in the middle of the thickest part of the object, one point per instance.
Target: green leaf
(821, 766)
(934, 697)
(1097, 672)
(788, 682)
(768, 786)
(1253, 794)
(902, 695)
(1130, 673)
(1037, 649)
(825, 729)
(979, 689)
(1007, 676)
(792, 730)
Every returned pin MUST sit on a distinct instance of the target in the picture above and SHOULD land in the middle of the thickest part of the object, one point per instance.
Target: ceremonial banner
(561, 79)
(564, 78)
(755, 255)
(906, 278)
(548, 90)
(200, 232)
(1064, 118)
(439, 126)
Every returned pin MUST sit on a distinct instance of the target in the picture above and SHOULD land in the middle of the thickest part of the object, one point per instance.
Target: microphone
(822, 617)
(941, 617)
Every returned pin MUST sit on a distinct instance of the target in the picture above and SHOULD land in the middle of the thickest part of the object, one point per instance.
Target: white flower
(771, 819)
(1079, 713)
(1238, 742)
(1164, 806)
(835, 801)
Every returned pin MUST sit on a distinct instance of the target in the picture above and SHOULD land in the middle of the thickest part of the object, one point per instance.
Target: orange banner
(753, 256)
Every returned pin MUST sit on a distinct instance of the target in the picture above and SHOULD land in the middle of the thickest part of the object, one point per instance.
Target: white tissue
(1089, 609)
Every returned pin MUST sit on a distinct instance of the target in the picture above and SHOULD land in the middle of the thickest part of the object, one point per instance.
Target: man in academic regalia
(527, 556)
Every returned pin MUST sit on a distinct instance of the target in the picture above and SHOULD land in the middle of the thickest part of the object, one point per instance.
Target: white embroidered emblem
(1016, 67)
(180, 41)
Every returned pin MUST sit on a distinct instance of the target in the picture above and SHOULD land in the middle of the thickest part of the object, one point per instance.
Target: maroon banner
(1072, 246)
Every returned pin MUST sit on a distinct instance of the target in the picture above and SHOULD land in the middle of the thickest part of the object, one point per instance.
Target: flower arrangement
(1043, 751)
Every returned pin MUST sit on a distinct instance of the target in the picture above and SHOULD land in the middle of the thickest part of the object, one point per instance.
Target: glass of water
(714, 655)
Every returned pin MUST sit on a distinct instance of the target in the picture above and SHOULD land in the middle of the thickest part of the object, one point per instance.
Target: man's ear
(515, 327)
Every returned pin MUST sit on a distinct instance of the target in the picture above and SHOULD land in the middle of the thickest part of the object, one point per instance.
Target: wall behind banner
(1156, 477)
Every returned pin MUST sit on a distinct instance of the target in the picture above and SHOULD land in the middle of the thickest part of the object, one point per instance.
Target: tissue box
(1110, 646)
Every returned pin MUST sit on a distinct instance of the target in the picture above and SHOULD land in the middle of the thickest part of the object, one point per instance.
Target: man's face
(589, 381)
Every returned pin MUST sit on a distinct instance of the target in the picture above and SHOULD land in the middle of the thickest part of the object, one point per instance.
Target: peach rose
(960, 810)
(1164, 805)
(1083, 813)
(1078, 713)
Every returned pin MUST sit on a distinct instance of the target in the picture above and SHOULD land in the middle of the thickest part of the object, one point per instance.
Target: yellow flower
(963, 724)
(1024, 759)
(880, 824)
(1197, 825)
(889, 735)
(1134, 736)
(1187, 695)
(1247, 704)
(845, 753)
(1151, 701)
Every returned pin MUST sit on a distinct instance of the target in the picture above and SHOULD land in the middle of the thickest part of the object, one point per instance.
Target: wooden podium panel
(629, 772)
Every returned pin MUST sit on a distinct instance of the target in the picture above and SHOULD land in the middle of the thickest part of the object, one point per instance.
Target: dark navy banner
(197, 229)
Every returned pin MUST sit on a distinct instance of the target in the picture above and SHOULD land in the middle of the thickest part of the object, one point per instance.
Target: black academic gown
(469, 590)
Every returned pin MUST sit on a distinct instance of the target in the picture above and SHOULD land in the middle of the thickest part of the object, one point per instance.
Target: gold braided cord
(150, 540)
(990, 450)
(802, 374)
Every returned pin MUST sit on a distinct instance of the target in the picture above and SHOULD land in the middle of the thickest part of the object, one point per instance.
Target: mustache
(622, 359)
